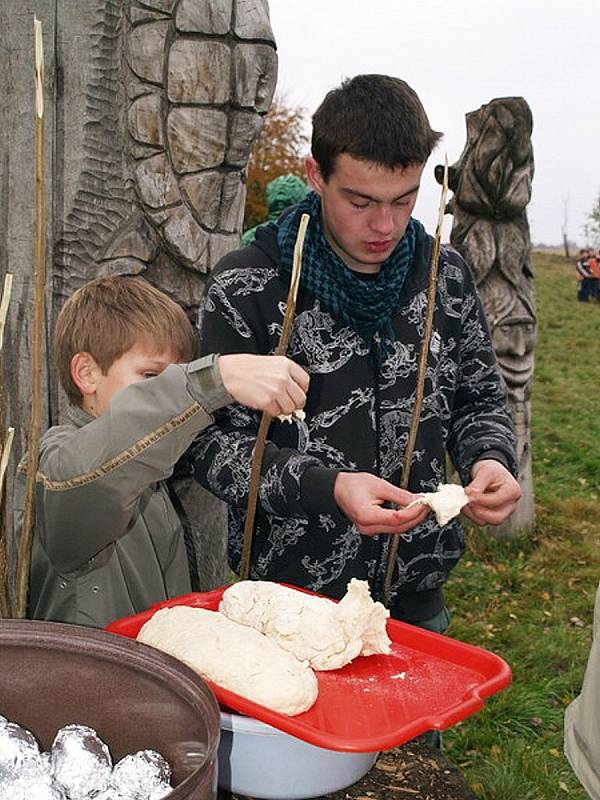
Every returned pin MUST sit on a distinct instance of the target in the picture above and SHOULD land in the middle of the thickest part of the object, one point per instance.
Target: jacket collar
(78, 416)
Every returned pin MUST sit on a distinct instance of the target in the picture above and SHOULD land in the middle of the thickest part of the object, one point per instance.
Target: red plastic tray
(376, 702)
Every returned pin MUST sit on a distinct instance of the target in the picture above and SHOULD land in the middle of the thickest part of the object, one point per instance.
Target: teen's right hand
(361, 497)
(269, 383)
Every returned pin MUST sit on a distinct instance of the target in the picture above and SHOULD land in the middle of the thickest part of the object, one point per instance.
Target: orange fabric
(594, 266)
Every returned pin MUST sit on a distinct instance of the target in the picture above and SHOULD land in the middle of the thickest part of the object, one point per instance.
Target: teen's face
(135, 365)
(365, 207)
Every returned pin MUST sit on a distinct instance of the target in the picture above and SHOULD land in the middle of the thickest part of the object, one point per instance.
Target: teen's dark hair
(374, 117)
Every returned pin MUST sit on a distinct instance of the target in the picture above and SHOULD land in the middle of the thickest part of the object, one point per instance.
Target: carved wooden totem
(153, 107)
(491, 182)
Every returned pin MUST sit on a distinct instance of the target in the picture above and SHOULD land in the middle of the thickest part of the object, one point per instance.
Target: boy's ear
(84, 370)
(313, 173)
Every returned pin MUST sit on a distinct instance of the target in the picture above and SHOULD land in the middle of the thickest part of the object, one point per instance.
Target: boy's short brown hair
(108, 316)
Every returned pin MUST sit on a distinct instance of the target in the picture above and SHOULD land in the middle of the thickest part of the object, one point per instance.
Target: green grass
(531, 600)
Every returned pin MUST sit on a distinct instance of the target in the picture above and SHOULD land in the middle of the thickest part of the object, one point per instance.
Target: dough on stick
(297, 413)
(445, 503)
(328, 635)
(233, 656)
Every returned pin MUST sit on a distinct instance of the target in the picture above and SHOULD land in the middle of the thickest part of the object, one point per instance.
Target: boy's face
(365, 207)
(135, 365)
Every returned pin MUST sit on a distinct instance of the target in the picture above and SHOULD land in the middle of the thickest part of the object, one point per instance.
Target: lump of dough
(233, 656)
(328, 635)
(445, 503)
(358, 612)
(298, 413)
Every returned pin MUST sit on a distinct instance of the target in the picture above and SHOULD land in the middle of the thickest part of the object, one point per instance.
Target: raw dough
(446, 503)
(328, 635)
(233, 656)
(298, 413)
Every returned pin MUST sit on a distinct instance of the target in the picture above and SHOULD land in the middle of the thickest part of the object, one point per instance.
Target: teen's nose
(382, 220)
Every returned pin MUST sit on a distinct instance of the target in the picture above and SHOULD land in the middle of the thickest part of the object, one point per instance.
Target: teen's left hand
(493, 493)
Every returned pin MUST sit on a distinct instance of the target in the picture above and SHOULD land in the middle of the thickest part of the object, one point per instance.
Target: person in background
(329, 494)
(108, 542)
(281, 193)
(584, 275)
(582, 719)
(594, 268)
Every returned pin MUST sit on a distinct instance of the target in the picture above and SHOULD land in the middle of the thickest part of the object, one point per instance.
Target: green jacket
(582, 720)
(107, 541)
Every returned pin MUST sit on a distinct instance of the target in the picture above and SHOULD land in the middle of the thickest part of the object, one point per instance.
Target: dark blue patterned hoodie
(358, 416)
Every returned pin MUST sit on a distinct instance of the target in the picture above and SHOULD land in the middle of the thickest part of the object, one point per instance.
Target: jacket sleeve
(293, 484)
(583, 268)
(481, 425)
(91, 479)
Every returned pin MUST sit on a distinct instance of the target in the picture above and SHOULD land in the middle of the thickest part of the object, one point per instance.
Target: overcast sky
(459, 55)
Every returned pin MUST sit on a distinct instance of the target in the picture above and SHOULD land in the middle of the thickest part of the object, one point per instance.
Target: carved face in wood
(514, 340)
(512, 324)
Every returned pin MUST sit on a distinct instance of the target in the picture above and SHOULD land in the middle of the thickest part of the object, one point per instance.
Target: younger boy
(108, 542)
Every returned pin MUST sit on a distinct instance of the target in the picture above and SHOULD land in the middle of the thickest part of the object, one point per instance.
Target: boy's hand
(493, 493)
(360, 496)
(269, 383)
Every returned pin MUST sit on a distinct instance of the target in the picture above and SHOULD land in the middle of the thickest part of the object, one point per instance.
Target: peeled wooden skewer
(5, 455)
(37, 335)
(261, 437)
(5, 448)
(4, 303)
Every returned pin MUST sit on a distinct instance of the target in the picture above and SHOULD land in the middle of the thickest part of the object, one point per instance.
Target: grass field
(531, 601)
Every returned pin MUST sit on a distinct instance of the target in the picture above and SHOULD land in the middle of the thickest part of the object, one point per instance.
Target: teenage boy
(108, 542)
(328, 482)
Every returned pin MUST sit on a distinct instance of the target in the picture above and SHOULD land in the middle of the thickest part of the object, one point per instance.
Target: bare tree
(592, 226)
(565, 225)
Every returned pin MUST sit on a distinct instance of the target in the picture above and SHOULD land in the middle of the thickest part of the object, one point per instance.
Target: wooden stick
(261, 437)
(290, 308)
(5, 599)
(4, 304)
(37, 334)
(6, 294)
(6, 440)
(5, 455)
(420, 388)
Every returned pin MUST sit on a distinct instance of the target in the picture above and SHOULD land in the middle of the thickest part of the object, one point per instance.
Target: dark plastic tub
(134, 696)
